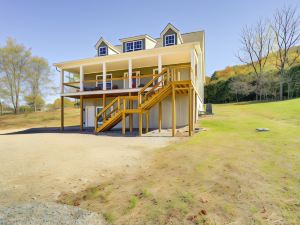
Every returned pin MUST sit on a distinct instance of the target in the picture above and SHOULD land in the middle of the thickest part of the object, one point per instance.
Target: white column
(104, 75)
(81, 78)
(193, 65)
(62, 78)
(130, 73)
(159, 60)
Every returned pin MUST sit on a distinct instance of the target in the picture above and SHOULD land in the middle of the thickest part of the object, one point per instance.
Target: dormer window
(169, 39)
(102, 51)
(133, 46)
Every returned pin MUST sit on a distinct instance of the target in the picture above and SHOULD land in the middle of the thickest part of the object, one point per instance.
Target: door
(89, 116)
(135, 79)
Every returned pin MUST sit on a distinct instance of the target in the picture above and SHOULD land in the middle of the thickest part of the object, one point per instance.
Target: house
(145, 82)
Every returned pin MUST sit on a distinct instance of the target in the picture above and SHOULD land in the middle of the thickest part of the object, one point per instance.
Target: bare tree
(13, 61)
(256, 46)
(286, 27)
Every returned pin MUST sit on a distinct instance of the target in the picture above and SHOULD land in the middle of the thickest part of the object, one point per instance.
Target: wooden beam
(147, 121)
(140, 123)
(193, 109)
(190, 111)
(173, 111)
(62, 113)
(123, 123)
(130, 116)
(81, 112)
(159, 116)
(103, 105)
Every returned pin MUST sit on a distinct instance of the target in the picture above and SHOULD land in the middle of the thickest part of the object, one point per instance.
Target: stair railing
(160, 80)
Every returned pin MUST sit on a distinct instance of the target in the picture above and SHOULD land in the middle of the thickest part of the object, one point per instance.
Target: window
(137, 45)
(133, 46)
(129, 46)
(99, 81)
(170, 39)
(102, 51)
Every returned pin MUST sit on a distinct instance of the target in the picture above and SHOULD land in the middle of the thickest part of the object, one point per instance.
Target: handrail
(107, 107)
(153, 80)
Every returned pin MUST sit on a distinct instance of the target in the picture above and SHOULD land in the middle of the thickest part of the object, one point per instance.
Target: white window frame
(169, 35)
(102, 47)
(99, 82)
(96, 108)
(138, 80)
(133, 46)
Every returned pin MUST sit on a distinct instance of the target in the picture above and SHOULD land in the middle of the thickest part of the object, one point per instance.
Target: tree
(256, 46)
(240, 85)
(37, 80)
(286, 27)
(36, 102)
(13, 61)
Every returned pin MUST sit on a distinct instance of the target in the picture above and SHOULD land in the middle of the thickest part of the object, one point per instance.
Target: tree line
(23, 77)
(269, 51)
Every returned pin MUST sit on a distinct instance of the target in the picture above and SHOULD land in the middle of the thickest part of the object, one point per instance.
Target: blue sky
(64, 30)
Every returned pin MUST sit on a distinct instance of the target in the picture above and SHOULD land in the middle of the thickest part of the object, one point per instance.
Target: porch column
(130, 73)
(193, 65)
(81, 78)
(159, 62)
(62, 78)
(104, 75)
(173, 111)
(62, 113)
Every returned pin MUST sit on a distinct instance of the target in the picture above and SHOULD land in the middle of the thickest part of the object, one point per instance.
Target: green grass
(231, 172)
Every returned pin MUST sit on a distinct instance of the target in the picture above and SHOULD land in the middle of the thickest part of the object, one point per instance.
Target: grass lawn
(39, 119)
(228, 174)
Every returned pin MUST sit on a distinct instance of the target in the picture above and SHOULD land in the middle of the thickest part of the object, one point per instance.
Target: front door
(135, 80)
(89, 116)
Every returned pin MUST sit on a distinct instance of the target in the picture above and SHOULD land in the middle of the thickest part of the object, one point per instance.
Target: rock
(203, 212)
(262, 129)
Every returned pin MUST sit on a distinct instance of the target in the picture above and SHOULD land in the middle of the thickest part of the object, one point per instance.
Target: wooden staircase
(155, 91)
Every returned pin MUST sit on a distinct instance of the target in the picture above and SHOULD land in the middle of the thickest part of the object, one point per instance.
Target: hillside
(227, 174)
(231, 71)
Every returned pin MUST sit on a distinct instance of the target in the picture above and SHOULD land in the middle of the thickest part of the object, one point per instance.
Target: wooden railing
(115, 106)
(160, 80)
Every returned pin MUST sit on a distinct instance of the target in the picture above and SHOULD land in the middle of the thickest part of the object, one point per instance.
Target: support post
(130, 73)
(81, 113)
(193, 110)
(81, 78)
(104, 75)
(62, 78)
(140, 124)
(147, 121)
(103, 105)
(159, 62)
(190, 111)
(62, 113)
(173, 111)
(130, 115)
(159, 116)
(123, 123)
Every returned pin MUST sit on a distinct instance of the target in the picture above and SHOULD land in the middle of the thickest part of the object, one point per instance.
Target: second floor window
(133, 46)
(170, 39)
(102, 51)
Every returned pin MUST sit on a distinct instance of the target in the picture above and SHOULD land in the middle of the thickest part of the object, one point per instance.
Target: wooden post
(173, 111)
(123, 123)
(130, 115)
(81, 112)
(140, 123)
(62, 113)
(147, 121)
(190, 111)
(159, 116)
(103, 105)
(193, 109)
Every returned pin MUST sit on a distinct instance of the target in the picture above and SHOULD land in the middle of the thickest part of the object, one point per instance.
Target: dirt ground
(40, 166)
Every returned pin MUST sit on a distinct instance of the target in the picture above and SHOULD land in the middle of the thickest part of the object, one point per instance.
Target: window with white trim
(170, 39)
(133, 46)
(102, 51)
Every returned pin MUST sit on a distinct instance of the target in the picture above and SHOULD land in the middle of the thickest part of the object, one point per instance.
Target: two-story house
(145, 82)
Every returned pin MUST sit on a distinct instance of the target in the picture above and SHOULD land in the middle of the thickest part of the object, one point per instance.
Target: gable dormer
(170, 36)
(137, 43)
(104, 48)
